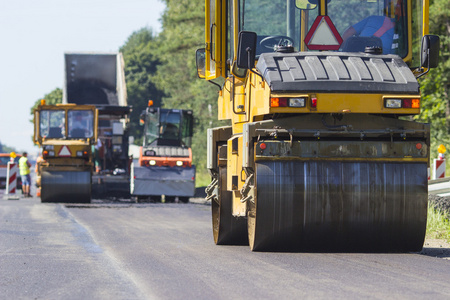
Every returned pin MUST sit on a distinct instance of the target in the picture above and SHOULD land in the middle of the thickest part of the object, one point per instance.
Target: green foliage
(51, 98)
(434, 107)
(440, 22)
(435, 85)
(141, 61)
(253, 11)
(183, 24)
(438, 225)
(183, 32)
(202, 178)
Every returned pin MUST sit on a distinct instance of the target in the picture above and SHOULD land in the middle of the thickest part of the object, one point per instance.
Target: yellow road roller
(322, 152)
(65, 133)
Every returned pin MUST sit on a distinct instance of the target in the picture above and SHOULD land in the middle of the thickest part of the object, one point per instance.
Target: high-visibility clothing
(23, 166)
(378, 26)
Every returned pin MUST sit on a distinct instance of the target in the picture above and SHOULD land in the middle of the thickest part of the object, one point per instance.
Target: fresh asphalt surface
(127, 250)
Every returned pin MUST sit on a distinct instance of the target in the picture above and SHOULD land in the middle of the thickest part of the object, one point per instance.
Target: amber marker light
(274, 102)
(415, 103)
(411, 103)
(278, 102)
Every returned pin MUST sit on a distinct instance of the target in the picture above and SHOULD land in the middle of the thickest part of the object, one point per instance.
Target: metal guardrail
(439, 186)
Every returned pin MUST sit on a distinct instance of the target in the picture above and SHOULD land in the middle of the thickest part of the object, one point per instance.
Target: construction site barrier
(11, 180)
(439, 168)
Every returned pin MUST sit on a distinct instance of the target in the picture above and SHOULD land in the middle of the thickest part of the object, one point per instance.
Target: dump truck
(322, 153)
(165, 158)
(66, 134)
(98, 79)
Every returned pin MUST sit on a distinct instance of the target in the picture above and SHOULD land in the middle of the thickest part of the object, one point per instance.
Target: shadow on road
(200, 192)
(436, 248)
(436, 252)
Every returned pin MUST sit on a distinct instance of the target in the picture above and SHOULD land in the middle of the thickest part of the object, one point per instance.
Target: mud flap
(169, 181)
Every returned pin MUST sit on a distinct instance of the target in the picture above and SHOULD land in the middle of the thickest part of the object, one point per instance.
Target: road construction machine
(65, 133)
(98, 79)
(165, 159)
(322, 153)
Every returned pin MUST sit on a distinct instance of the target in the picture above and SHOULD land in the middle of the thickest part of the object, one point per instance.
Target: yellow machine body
(321, 153)
(66, 134)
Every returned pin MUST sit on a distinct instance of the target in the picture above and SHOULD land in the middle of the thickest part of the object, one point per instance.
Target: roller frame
(328, 202)
(168, 181)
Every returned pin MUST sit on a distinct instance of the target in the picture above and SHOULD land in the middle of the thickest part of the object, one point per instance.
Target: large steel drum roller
(330, 205)
(66, 186)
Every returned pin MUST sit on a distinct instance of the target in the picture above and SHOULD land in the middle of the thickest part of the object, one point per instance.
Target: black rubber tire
(227, 230)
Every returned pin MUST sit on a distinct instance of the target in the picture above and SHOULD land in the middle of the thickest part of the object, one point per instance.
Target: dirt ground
(436, 248)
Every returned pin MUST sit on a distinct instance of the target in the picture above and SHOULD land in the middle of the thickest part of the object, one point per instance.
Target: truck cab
(165, 158)
(167, 137)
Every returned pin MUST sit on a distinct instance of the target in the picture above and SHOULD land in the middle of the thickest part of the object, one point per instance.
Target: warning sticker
(323, 35)
(64, 152)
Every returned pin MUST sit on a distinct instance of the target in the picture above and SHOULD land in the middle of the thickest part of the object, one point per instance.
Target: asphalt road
(166, 251)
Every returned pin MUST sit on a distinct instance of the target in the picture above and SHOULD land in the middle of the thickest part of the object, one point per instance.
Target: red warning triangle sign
(323, 35)
(64, 152)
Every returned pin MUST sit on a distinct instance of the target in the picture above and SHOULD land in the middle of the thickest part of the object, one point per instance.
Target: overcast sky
(34, 36)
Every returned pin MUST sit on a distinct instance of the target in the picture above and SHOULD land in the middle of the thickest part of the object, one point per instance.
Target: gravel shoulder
(436, 248)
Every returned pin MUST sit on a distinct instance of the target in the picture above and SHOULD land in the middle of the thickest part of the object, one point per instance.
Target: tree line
(161, 67)
(435, 108)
